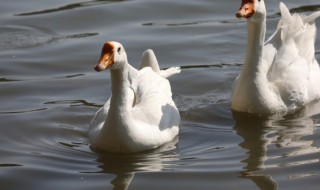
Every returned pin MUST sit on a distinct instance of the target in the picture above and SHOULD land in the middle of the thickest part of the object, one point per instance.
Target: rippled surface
(49, 93)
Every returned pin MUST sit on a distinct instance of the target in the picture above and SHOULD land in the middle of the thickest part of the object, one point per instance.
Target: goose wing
(153, 100)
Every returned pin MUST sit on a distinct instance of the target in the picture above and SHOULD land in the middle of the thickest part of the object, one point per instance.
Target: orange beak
(246, 10)
(106, 59)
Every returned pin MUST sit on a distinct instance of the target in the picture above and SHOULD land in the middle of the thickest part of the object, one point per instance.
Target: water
(49, 92)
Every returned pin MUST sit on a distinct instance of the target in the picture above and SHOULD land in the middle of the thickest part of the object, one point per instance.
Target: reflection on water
(262, 136)
(255, 141)
(122, 181)
(124, 166)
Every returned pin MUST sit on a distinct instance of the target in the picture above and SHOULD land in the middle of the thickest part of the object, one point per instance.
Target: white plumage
(281, 75)
(140, 113)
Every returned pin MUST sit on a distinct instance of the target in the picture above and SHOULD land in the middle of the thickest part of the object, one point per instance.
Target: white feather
(288, 74)
(140, 115)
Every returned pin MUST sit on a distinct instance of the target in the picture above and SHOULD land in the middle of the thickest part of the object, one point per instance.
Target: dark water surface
(49, 92)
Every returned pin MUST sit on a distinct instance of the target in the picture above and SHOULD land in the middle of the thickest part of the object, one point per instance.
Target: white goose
(140, 113)
(281, 75)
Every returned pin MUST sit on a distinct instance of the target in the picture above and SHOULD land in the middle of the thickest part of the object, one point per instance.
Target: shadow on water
(69, 6)
(261, 135)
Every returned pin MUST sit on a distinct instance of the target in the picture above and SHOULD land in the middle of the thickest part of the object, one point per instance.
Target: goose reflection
(263, 137)
(124, 166)
(255, 140)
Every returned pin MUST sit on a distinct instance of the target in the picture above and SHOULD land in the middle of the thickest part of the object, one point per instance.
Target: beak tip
(98, 68)
(238, 15)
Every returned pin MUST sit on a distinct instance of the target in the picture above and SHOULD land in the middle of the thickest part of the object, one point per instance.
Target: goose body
(281, 75)
(140, 114)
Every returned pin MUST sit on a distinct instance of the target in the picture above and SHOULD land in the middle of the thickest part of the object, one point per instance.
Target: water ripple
(8, 80)
(22, 111)
(41, 78)
(74, 103)
(69, 7)
(220, 65)
(190, 23)
(9, 165)
(13, 36)
(23, 36)
(308, 8)
(301, 9)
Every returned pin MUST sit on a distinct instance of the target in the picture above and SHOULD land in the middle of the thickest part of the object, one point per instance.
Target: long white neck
(121, 99)
(255, 42)
(121, 103)
(250, 94)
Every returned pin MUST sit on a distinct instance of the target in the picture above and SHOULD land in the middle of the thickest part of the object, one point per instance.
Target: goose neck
(121, 99)
(255, 43)
(120, 78)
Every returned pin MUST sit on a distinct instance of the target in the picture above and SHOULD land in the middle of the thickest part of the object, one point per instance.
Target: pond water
(49, 92)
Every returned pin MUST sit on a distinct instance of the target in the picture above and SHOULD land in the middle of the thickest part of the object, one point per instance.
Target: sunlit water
(49, 92)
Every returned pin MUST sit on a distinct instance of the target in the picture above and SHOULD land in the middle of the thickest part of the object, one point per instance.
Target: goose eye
(119, 50)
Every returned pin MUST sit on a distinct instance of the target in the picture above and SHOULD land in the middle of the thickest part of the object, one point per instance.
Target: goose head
(113, 56)
(253, 10)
